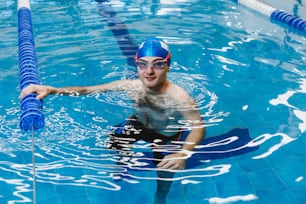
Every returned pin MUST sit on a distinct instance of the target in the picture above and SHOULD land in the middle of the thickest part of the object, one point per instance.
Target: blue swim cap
(154, 47)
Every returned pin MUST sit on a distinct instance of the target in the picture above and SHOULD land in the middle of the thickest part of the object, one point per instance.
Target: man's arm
(197, 129)
(189, 109)
(196, 124)
(43, 91)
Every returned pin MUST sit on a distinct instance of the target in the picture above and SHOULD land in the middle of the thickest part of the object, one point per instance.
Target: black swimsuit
(131, 130)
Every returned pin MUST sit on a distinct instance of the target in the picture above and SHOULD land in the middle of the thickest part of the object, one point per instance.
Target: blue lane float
(31, 116)
(275, 14)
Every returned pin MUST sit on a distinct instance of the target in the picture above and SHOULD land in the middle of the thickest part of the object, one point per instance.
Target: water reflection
(71, 151)
(73, 154)
(284, 100)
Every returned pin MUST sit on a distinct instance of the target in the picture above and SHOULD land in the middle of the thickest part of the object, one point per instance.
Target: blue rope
(31, 116)
(276, 14)
(290, 20)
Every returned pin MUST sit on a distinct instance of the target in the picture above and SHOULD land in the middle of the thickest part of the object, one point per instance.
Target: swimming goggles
(157, 64)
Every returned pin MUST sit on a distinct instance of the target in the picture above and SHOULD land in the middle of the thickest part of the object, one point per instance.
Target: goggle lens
(158, 64)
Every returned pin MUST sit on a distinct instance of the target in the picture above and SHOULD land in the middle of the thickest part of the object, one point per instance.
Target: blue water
(243, 70)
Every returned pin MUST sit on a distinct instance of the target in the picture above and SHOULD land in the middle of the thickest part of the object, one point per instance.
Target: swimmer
(159, 104)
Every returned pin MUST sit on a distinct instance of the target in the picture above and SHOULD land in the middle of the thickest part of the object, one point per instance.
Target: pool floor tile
(266, 183)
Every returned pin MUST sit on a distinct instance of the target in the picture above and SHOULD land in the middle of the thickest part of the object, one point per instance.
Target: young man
(159, 107)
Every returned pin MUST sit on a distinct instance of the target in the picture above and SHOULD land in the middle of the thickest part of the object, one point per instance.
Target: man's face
(152, 71)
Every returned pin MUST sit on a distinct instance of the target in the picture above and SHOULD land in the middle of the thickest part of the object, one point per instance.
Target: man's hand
(41, 91)
(176, 161)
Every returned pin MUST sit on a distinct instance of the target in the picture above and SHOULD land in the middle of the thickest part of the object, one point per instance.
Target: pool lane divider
(119, 30)
(31, 116)
(275, 14)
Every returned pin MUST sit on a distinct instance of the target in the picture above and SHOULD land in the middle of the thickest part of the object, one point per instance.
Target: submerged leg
(164, 181)
(163, 186)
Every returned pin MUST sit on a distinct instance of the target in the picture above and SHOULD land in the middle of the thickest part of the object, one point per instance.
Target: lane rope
(275, 14)
(31, 118)
(33, 167)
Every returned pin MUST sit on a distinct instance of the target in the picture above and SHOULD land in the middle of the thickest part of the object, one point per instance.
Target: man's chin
(150, 83)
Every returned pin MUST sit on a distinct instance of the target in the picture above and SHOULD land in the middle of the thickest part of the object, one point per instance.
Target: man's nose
(150, 69)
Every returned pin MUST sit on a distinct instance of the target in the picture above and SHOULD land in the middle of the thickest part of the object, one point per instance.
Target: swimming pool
(243, 70)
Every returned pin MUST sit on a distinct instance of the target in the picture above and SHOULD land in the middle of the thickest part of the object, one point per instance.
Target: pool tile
(48, 194)
(203, 190)
(67, 193)
(282, 197)
(250, 165)
(97, 196)
(294, 149)
(6, 193)
(298, 194)
(293, 173)
(233, 185)
(140, 192)
(266, 183)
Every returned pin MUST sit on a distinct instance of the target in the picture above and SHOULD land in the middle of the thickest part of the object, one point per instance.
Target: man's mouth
(150, 78)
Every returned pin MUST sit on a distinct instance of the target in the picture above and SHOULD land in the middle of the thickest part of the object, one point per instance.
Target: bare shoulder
(180, 98)
(178, 92)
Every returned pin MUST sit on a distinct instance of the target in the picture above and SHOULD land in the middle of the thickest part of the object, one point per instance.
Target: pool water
(243, 70)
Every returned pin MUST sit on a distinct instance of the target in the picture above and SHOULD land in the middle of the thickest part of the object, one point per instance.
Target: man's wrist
(184, 153)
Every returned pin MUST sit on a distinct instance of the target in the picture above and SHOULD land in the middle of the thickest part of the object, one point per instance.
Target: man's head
(153, 60)
(154, 47)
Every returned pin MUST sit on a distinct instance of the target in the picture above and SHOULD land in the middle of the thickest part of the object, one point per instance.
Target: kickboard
(232, 143)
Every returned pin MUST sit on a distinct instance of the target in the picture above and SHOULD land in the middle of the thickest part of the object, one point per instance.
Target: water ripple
(74, 45)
